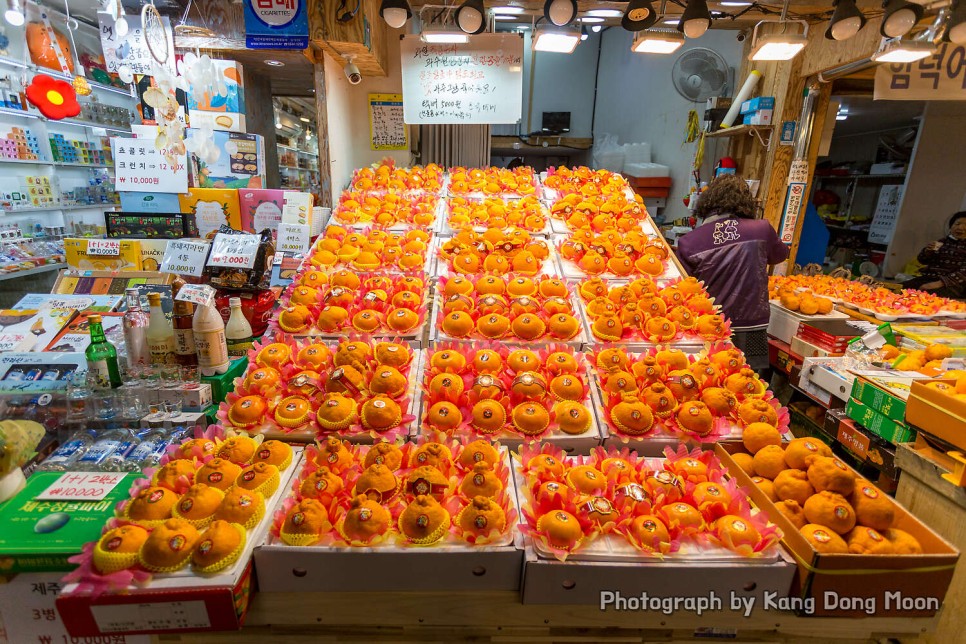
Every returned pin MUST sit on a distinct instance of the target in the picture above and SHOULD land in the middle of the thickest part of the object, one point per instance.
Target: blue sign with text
(276, 24)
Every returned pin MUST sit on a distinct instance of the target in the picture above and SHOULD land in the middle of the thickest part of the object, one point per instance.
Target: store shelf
(10, 62)
(758, 131)
(20, 113)
(850, 177)
(96, 206)
(92, 126)
(59, 164)
(26, 162)
(295, 167)
(291, 149)
(46, 268)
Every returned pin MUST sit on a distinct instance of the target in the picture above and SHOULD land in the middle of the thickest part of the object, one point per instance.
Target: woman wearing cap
(944, 262)
(730, 252)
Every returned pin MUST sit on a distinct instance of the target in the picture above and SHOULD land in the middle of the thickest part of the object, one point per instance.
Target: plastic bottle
(101, 356)
(238, 332)
(118, 459)
(185, 352)
(69, 452)
(101, 455)
(136, 323)
(209, 332)
(160, 333)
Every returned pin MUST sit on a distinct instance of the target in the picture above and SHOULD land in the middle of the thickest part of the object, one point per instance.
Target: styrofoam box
(783, 324)
(828, 374)
(642, 170)
(283, 568)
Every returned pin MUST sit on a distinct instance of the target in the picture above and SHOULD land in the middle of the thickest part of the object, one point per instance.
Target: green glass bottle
(101, 357)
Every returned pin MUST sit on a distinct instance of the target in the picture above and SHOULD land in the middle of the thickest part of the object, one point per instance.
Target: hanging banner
(794, 200)
(131, 49)
(940, 77)
(478, 82)
(387, 130)
(276, 24)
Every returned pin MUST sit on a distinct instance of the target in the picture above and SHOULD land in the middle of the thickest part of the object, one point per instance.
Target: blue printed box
(758, 103)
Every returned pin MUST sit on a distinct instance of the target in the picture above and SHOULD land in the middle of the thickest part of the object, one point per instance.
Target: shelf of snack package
(45, 268)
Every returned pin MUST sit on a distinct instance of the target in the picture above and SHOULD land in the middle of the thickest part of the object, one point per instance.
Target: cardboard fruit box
(851, 585)
(937, 413)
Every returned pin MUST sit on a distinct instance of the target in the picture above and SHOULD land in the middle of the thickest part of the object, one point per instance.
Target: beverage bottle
(101, 357)
(154, 443)
(238, 332)
(118, 459)
(136, 324)
(185, 352)
(209, 332)
(69, 452)
(110, 448)
(160, 333)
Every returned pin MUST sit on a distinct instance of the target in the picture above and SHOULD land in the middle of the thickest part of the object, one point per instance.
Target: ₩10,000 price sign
(184, 257)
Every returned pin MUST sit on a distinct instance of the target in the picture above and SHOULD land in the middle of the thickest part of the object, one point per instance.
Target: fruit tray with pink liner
(615, 254)
(583, 182)
(527, 213)
(643, 313)
(386, 209)
(494, 252)
(377, 305)
(191, 523)
(665, 395)
(370, 250)
(618, 506)
(359, 389)
(478, 183)
(514, 395)
(509, 308)
(387, 178)
(386, 501)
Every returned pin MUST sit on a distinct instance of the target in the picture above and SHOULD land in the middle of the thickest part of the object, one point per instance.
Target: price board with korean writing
(234, 251)
(467, 83)
(184, 257)
(140, 167)
(387, 129)
(131, 49)
(938, 77)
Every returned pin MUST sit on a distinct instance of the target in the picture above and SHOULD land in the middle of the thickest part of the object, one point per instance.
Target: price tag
(198, 294)
(854, 440)
(953, 363)
(87, 486)
(104, 247)
(293, 238)
(184, 257)
(234, 251)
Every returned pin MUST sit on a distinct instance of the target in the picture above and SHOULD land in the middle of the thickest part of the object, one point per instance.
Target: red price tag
(104, 247)
(854, 440)
(90, 486)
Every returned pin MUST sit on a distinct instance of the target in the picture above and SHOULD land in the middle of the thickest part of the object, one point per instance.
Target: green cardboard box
(224, 383)
(39, 536)
(885, 394)
(879, 424)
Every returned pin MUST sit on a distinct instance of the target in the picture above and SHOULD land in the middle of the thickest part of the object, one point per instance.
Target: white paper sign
(131, 49)
(140, 167)
(155, 616)
(234, 251)
(199, 294)
(184, 257)
(87, 486)
(293, 238)
(110, 247)
(477, 82)
(886, 214)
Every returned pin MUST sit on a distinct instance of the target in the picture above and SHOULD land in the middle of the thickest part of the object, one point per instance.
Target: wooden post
(814, 142)
(322, 131)
(260, 119)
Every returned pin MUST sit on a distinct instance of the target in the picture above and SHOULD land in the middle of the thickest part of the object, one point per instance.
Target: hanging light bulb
(639, 16)
(696, 19)
(846, 20)
(14, 13)
(900, 17)
(471, 17)
(395, 12)
(956, 26)
(560, 12)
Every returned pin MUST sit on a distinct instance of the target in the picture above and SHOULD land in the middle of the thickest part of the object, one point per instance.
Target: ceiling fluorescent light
(778, 46)
(560, 41)
(443, 35)
(590, 20)
(508, 10)
(900, 17)
(899, 51)
(846, 21)
(657, 42)
(605, 13)
(696, 19)
(560, 12)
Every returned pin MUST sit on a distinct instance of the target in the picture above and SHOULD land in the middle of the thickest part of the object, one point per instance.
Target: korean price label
(853, 440)
(293, 238)
(87, 486)
(184, 257)
(104, 247)
(199, 294)
(234, 251)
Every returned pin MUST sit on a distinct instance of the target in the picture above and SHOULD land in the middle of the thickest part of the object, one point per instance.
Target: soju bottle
(101, 357)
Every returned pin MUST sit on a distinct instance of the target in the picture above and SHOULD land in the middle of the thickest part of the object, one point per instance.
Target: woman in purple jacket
(730, 252)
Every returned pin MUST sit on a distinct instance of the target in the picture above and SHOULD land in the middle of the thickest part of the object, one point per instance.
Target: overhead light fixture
(899, 51)
(696, 19)
(779, 46)
(639, 16)
(471, 17)
(508, 10)
(502, 17)
(14, 13)
(734, 4)
(671, 21)
(899, 19)
(558, 41)
(663, 41)
(274, 63)
(305, 120)
(583, 34)
(846, 20)
(590, 20)
(596, 28)
(443, 35)
(395, 12)
(560, 12)
(956, 25)
(605, 13)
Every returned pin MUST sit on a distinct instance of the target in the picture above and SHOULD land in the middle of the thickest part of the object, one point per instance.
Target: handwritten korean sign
(184, 257)
(940, 77)
(140, 167)
(387, 130)
(131, 49)
(89, 486)
(293, 238)
(234, 251)
(886, 214)
(477, 82)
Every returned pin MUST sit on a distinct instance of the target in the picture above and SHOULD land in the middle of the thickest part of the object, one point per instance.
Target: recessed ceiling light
(672, 21)
(605, 13)
(275, 63)
(507, 17)
(734, 4)
(508, 10)
(591, 20)
(305, 120)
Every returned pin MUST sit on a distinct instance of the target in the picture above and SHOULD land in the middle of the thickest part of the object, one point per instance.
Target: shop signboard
(478, 82)
(276, 24)
(939, 77)
(794, 200)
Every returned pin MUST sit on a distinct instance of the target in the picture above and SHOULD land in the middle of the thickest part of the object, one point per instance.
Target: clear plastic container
(71, 451)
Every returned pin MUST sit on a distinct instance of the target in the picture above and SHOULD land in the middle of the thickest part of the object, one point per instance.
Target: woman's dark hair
(959, 215)
(727, 195)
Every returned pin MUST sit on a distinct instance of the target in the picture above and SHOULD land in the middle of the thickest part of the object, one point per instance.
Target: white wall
(637, 102)
(348, 112)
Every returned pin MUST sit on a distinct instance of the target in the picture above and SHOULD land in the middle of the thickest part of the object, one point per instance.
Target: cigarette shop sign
(940, 77)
